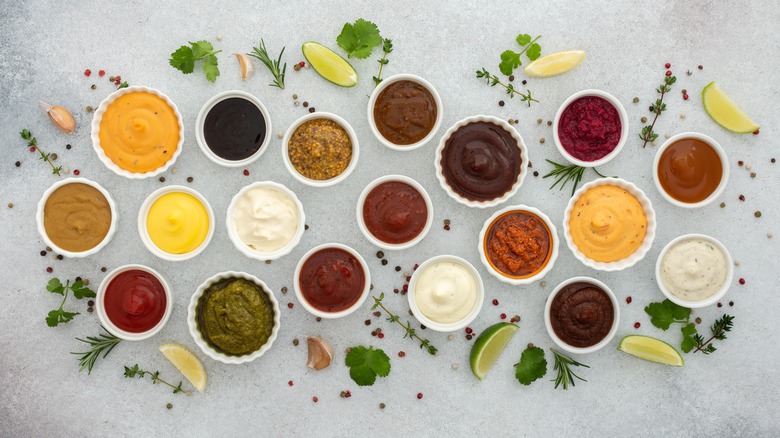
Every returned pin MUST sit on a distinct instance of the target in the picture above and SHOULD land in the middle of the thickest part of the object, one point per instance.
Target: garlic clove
(320, 353)
(61, 117)
(247, 68)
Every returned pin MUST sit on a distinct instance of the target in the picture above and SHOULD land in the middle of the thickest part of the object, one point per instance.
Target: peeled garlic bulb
(247, 68)
(320, 353)
(61, 117)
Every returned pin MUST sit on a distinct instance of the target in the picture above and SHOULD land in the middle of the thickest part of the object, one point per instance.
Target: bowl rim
(615, 321)
(520, 177)
(709, 300)
(554, 243)
(42, 229)
(453, 326)
(200, 121)
(100, 305)
(265, 255)
(362, 224)
(328, 182)
(143, 212)
(723, 162)
(332, 315)
(375, 95)
(647, 242)
(621, 110)
(210, 351)
(95, 134)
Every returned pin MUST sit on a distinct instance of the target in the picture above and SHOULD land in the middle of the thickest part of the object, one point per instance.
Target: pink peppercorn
(668, 72)
(102, 73)
(76, 172)
(87, 72)
(503, 316)
(667, 65)
(447, 227)
(401, 354)
(315, 399)
(290, 383)
(741, 281)
(246, 172)
(290, 305)
(469, 330)
(756, 132)
(495, 302)
(628, 300)
(637, 325)
(419, 395)
(380, 335)
(49, 269)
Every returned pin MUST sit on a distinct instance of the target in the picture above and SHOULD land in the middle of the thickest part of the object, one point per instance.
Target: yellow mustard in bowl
(607, 223)
(177, 223)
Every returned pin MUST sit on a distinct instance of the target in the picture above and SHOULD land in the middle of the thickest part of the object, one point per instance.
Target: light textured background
(45, 47)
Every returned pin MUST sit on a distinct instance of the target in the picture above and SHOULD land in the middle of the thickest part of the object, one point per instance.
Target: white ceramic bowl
(482, 246)
(372, 101)
(210, 351)
(201, 120)
(345, 312)
(623, 131)
(101, 307)
(723, 161)
(707, 301)
(42, 229)
(523, 166)
(362, 224)
(640, 252)
(328, 182)
(96, 119)
(265, 255)
(582, 350)
(453, 326)
(144, 232)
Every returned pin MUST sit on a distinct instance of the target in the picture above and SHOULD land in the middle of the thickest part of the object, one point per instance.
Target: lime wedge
(652, 349)
(329, 64)
(187, 363)
(555, 64)
(724, 111)
(489, 346)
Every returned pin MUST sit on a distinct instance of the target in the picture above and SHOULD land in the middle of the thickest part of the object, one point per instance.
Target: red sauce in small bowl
(332, 280)
(395, 212)
(135, 301)
(589, 128)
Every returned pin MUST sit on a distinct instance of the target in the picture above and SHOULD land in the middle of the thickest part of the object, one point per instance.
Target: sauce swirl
(135, 301)
(690, 170)
(395, 212)
(405, 112)
(582, 314)
(332, 280)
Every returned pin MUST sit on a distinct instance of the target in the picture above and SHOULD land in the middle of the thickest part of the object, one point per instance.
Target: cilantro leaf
(80, 291)
(523, 39)
(532, 365)
(359, 39)
(59, 316)
(182, 59)
(534, 51)
(509, 61)
(365, 364)
(55, 286)
(201, 49)
(689, 341)
(211, 68)
(663, 314)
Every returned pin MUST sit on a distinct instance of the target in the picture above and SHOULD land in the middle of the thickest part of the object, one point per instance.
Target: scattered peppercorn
(268, 262)
(772, 160)
(68, 146)
(305, 104)
(446, 221)
(368, 322)
(742, 198)
(89, 108)
(447, 227)
(500, 103)
(668, 72)
(752, 174)
(246, 172)
(511, 78)
(651, 108)
(419, 395)
(539, 121)
(636, 100)
(380, 254)
(741, 281)
(49, 269)
(524, 82)
(318, 319)
(311, 110)
(637, 325)
(103, 269)
(111, 79)
(422, 326)
(60, 257)
(43, 253)
(296, 342)
(629, 299)
(76, 172)
(722, 205)
(469, 330)
(549, 123)
(162, 179)
(381, 405)
(296, 67)
(643, 119)
(401, 354)
(315, 399)
(397, 268)
(495, 302)
(384, 262)
(685, 97)
(720, 304)
(290, 383)
(90, 303)
(169, 405)
(701, 68)
(305, 227)
(290, 305)
(10, 205)
(698, 320)
(380, 335)
(667, 65)
(503, 316)
(87, 72)
(731, 304)
(740, 163)
(757, 214)
(541, 140)
(102, 73)
(190, 179)
(536, 173)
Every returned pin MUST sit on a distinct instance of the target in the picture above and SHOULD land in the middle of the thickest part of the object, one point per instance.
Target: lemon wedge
(329, 64)
(724, 111)
(651, 349)
(187, 363)
(555, 64)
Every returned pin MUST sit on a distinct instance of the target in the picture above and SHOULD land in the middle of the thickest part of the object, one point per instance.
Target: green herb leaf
(211, 68)
(563, 366)
(55, 286)
(509, 61)
(201, 49)
(523, 39)
(663, 314)
(182, 59)
(532, 365)
(359, 39)
(80, 291)
(534, 51)
(59, 316)
(365, 364)
(689, 341)
(103, 343)
(273, 66)
(123, 85)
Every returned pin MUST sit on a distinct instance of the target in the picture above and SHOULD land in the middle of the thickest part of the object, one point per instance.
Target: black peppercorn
(384, 262)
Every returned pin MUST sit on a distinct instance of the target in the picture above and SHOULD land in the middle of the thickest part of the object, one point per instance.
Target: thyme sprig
(565, 375)
(410, 332)
(103, 343)
(387, 48)
(719, 329)
(648, 135)
(134, 371)
(563, 174)
(493, 80)
(261, 53)
(33, 143)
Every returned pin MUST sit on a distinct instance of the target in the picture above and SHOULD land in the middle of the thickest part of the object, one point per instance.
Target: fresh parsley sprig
(134, 371)
(510, 60)
(59, 316)
(102, 343)
(532, 365)
(563, 366)
(387, 48)
(184, 58)
(359, 39)
(410, 332)
(493, 80)
(719, 329)
(32, 142)
(648, 135)
(261, 53)
(365, 364)
(563, 174)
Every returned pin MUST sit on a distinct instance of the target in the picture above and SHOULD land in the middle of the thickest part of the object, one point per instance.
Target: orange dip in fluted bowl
(137, 132)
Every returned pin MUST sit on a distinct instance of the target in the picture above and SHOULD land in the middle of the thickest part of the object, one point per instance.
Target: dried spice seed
(49, 269)
(722, 205)
(284, 290)
(268, 262)
(731, 304)
(536, 173)
(643, 119)
(741, 281)
(368, 322)
(541, 140)
(636, 100)
(503, 316)
(290, 383)
(741, 197)
(381, 405)
(169, 405)
(511, 78)
(384, 262)
(757, 214)
(419, 395)
(162, 179)
(60, 257)
(401, 354)
(318, 319)
(495, 302)
(698, 320)
(628, 300)
(538, 121)
(637, 325)
(380, 254)
(93, 86)
(190, 179)
(740, 163)
(315, 399)
(43, 253)
(311, 110)
(103, 269)
(720, 304)
(500, 103)
(752, 174)
(549, 123)
(305, 227)
(290, 305)
(295, 342)
(10, 205)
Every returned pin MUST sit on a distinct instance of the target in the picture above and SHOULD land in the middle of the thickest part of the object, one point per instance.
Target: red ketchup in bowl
(135, 301)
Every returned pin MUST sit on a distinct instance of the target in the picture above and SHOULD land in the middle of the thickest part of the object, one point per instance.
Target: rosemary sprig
(33, 143)
(410, 332)
(563, 174)
(719, 329)
(273, 66)
(387, 48)
(565, 376)
(493, 80)
(103, 343)
(648, 135)
(134, 371)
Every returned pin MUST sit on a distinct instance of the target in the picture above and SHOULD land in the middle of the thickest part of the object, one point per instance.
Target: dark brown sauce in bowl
(405, 112)
(582, 314)
(234, 129)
